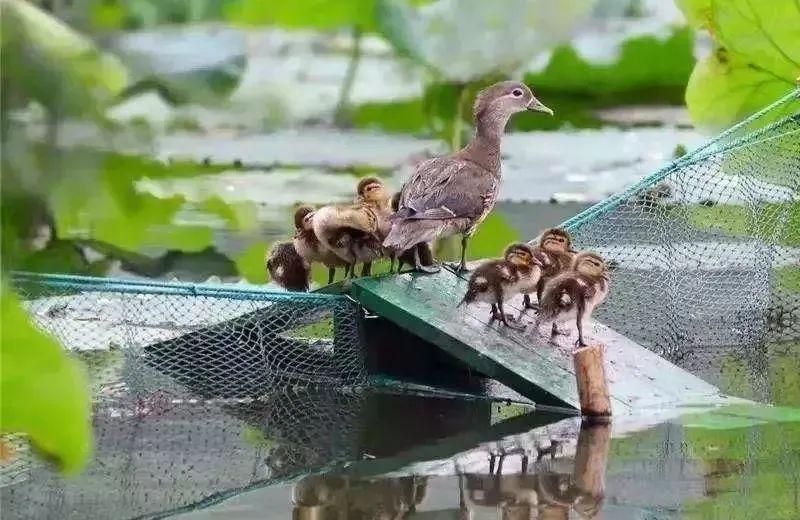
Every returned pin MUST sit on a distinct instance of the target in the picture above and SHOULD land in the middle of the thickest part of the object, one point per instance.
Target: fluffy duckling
(308, 246)
(454, 194)
(530, 273)
(555, 245)
(287, 268)
(423, 250)
(574, 294)
(496, 281)
(355, 233)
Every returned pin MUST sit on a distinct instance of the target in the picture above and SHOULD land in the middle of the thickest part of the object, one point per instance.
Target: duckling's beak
(537, 106)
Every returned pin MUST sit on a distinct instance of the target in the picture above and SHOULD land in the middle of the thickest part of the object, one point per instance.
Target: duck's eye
(516, 92)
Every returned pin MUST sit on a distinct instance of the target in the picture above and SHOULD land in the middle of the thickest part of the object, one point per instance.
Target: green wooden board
(526, 361)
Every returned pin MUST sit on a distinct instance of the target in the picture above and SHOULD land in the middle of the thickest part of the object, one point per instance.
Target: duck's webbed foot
(499, 314)
(527, 304)
(428, 269)
(461, 267)
(458, 268)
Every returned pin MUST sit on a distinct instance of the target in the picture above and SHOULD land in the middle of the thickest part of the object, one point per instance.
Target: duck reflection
(540, 482)
(557, 484)
(337, 497)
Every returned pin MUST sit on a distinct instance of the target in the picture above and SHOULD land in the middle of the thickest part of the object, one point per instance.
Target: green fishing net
(707, 254)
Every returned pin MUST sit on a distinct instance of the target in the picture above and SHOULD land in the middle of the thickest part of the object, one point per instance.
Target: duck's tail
(405, 234)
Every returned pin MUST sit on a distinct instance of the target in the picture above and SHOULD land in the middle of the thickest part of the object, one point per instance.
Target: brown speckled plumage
(423, 249)
(355, 233)
(453, 194)
(575, 293)
(555, 250)
(308, 245)
(495, 281)
(287, 268)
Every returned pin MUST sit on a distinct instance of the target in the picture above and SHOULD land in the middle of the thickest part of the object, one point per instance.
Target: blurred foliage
(755, 60)
(316, 14)
(737, 221)
(251, 263)
(788, 278)
(627, 79)
(778, 381)
(571, 84)
(467, 40)
(43, 392)
(46, 61)
(140, 14)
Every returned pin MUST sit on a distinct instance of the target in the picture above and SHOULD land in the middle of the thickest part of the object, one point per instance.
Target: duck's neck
(484, 148)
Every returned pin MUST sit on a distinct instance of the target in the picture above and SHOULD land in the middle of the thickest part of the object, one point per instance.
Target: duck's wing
(445, 188)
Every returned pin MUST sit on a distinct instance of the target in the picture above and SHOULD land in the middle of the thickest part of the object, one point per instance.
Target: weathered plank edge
(484, 364)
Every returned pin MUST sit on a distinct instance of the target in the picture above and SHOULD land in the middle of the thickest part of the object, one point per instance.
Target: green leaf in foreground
(43, 393)
(49, 62)
(756, 58)
(724, 89)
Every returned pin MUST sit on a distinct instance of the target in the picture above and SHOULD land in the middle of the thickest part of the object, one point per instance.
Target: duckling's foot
(458, 268)
(504, 317)
(526, 302)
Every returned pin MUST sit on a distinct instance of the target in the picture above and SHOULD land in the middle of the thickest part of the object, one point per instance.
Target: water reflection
(517, 479)
(326, 497)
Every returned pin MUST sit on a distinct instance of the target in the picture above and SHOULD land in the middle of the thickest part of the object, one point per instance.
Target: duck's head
(502, 100)
(303, 218)
(372, 191)
(520, 254)
(556, 240)
(591, 264)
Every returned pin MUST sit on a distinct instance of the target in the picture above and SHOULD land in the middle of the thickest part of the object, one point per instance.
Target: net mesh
(707, 254)
(198, 391)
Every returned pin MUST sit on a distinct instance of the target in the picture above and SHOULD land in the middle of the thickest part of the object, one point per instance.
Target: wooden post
(592, 385)
(591, 457)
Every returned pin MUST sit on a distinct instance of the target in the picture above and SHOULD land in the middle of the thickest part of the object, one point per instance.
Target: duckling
(308, 245)
(355, 233)
(530, 271)
(287, 268)
(555, 250)
(575, 293)
(495, 281)
(422, 249)
(454, 194)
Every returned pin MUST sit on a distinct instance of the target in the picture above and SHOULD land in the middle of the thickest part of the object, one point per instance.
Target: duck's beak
(537, 106)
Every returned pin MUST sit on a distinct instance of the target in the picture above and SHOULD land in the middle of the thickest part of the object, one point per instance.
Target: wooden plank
(526, 361)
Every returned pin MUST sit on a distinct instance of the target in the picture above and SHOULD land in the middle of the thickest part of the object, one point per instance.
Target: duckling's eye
(516, 92)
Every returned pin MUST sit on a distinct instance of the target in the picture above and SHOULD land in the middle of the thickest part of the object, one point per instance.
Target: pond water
(320, 453)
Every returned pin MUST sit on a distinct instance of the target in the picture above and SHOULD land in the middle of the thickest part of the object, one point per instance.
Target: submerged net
(196, 390)
(707, 254)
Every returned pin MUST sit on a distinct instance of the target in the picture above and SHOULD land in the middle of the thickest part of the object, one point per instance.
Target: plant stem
(458, 123)
(342, 107)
